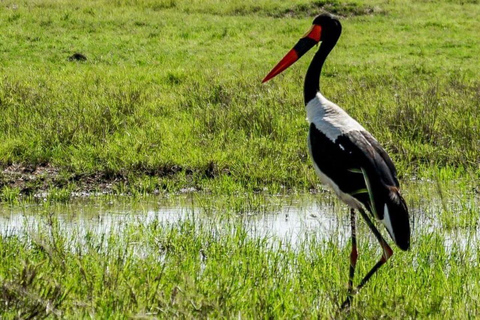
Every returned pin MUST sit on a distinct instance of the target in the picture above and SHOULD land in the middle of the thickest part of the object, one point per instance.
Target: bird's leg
(387, 251)
(353, 260)
(354, 253)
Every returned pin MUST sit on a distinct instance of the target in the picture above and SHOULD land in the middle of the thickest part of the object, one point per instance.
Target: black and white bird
(347, 157)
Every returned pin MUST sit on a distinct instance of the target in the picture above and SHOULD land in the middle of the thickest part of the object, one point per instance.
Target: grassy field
(169, 99)
(170, 95)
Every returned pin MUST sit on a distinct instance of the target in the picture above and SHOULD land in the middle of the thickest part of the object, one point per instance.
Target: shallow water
(289, 219)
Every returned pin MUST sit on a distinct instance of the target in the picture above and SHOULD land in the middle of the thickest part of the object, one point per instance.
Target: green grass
(170, 95)
(170, 100)
(208, 265)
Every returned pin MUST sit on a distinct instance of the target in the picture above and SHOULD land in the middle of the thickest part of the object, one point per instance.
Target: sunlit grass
(170, 97)
(210, 264)
(169, 101)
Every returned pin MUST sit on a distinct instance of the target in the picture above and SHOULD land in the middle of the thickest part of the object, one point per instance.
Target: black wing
(352, 159)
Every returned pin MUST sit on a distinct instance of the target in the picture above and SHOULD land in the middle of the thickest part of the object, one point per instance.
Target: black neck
(312, 79)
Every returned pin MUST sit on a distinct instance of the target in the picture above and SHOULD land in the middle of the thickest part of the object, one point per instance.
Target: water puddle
(288, 218)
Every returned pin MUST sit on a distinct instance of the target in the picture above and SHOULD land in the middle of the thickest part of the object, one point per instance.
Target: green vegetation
(209, 265)
(170, 94)
(169, 99)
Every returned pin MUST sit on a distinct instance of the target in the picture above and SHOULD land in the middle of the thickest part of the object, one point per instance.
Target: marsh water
(285, 217)
(288, 218)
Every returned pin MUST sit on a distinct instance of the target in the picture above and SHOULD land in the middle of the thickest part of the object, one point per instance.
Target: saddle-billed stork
(346, 156)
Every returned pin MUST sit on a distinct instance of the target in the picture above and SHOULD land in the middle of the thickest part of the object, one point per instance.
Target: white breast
(330, 118)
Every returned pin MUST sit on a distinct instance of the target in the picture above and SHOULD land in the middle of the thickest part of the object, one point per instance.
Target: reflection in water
(290, 218)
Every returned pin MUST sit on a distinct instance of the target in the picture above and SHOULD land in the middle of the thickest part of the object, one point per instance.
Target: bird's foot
(346, 304)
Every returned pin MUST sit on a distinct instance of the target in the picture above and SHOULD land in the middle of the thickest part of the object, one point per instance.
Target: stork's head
(325, 28)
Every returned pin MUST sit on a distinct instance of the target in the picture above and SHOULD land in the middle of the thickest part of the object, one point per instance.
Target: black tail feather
(399, 218)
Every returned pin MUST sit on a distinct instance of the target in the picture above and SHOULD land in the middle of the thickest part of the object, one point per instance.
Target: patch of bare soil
(338, 8)
(38, 180)
(31, 180)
